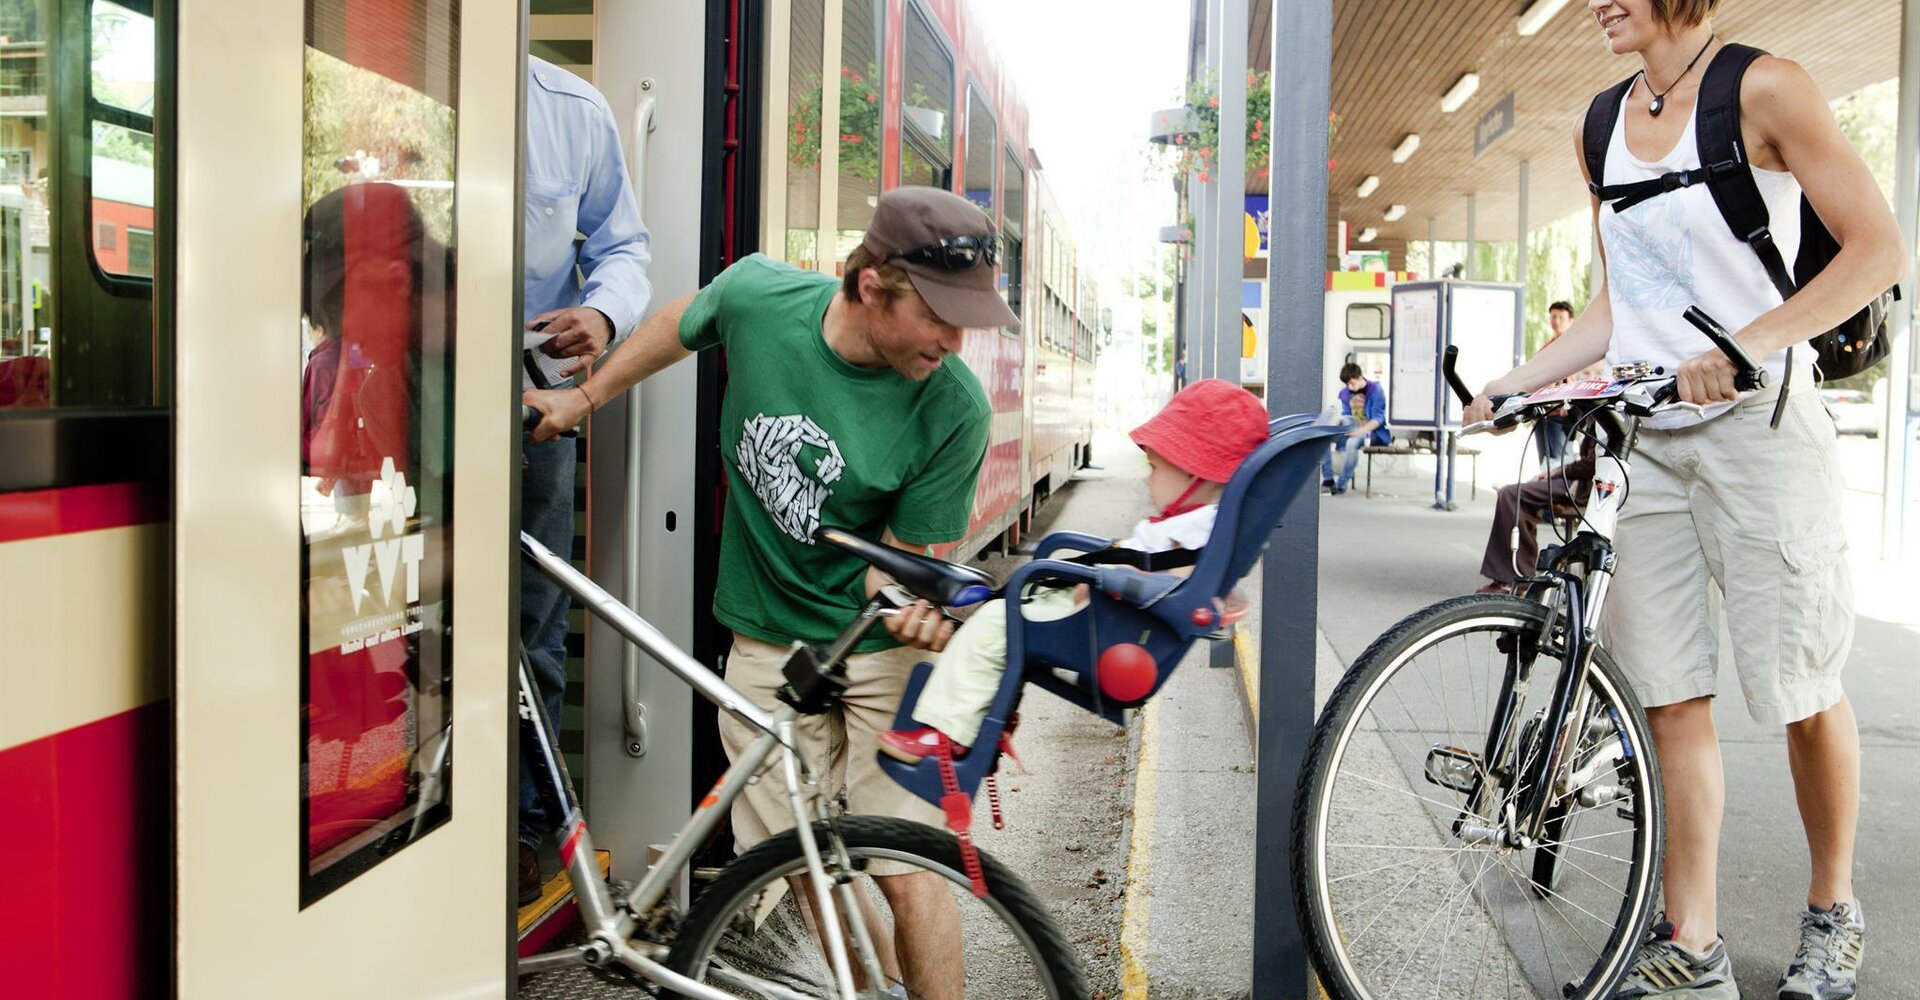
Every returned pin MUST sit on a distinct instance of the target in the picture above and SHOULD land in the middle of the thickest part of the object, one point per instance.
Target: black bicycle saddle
(940, 582)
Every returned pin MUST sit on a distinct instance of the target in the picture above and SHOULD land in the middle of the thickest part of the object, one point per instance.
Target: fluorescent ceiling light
(1368, 186)
(1538, 14)
(1463, 88)
(1395, 213)
(1406, 147)
(1367, 235)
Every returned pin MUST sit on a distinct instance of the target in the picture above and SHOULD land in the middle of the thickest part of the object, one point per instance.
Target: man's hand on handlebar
(562, 410)
(921, 625)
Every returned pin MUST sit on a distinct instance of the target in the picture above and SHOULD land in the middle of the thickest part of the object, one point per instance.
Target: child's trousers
(967, 675)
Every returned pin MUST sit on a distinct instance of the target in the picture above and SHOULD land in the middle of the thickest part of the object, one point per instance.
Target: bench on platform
(1406, 448)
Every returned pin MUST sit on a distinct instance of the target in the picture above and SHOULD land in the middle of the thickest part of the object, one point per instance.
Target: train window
(120, 94)
(376, 446)
(1013, 228)
(980, 150)
(805, 96)
(1367, 321)
(25, 261)
(861, 101)
(926, 108)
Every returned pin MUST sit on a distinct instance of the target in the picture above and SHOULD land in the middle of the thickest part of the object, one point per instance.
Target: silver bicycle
(796, 916)
(1480, 811)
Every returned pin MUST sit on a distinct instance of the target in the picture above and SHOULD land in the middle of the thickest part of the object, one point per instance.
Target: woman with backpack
(1747, 493)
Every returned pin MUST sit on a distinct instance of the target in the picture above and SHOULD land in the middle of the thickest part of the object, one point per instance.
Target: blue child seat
(1159, 612)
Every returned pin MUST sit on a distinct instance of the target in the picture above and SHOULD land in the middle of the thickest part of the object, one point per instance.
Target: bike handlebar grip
(1670, 393)
(1750, 375)
(529, 418)
(1453, 378)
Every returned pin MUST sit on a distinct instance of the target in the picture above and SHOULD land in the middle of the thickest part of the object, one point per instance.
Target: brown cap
(909, 218)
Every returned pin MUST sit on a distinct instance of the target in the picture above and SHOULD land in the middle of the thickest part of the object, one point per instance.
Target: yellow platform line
(1245, 655)
(1133, 913)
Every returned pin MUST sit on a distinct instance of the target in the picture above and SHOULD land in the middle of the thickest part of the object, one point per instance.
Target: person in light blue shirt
(586, 284)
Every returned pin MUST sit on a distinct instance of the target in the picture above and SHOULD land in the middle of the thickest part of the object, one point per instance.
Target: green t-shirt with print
(809, 440)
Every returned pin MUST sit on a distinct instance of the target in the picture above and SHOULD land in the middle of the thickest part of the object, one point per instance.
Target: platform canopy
(1393, 62)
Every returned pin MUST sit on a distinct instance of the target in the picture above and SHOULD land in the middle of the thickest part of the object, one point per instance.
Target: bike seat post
(843, 645)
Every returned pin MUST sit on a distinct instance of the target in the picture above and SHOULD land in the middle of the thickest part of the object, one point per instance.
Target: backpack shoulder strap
(1597, 132)
(1724, 157)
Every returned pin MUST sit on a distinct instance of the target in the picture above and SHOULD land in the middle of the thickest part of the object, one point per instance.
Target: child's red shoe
(910, 746)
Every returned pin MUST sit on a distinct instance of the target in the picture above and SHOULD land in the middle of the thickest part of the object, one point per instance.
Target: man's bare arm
(655, 345)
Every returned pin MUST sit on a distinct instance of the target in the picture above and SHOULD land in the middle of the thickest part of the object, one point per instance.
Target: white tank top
(1675, 250)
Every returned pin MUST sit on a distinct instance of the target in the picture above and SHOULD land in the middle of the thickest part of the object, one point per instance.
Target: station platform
(1141, 839)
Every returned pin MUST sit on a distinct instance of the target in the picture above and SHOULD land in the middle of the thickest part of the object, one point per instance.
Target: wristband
(591, 406)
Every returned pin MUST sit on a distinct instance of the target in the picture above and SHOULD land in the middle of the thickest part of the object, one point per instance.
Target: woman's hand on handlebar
(1482, 408)
(562, 409)
(1707, 378)
(920, 625)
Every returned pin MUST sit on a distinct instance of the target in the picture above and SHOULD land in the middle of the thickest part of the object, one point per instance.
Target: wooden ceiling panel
(1392, 61)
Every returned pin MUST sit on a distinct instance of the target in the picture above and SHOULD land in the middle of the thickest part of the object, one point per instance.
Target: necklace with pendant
(1660, 99)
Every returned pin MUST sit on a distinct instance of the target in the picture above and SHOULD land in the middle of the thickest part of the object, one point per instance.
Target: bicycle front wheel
(1403, 880)
(752, 934)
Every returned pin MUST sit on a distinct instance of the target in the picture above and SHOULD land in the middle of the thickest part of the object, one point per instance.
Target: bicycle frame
(1577, 598)
(610, 923)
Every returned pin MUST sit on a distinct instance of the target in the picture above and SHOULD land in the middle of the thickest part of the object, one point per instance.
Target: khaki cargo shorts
(1757, 512)
(839, 744)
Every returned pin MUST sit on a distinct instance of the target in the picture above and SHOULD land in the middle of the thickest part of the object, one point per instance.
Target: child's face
(1166, 481)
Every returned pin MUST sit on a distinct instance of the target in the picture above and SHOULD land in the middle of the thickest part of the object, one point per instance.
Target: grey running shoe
(1664, 969)
(1828, 962)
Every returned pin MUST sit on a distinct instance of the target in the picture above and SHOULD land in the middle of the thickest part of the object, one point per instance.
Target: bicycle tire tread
(757, 865)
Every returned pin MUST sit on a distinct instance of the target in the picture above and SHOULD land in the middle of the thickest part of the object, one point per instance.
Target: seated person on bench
(1367, 402)
(1529, 503)
(1193, 447)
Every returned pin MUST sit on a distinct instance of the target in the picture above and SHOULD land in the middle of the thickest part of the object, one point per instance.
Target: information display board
(1482, 319)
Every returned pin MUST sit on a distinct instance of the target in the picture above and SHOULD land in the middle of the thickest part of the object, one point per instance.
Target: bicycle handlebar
(1748, 376)
(530, 418)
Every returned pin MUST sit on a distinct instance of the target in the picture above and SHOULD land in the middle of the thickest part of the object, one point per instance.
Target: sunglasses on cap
(956, 254)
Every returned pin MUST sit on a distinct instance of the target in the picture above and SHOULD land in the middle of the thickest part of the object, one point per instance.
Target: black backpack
(1848, 349)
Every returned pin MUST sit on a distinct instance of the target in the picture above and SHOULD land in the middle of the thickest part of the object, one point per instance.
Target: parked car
(1854, 411)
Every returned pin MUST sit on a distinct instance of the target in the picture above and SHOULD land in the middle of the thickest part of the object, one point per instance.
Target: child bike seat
(1119, 650)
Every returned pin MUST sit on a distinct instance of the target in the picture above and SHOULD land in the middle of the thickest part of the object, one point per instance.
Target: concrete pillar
(1901, 402)
(1230, 179)
(1472, 213)
(1520, 266)
(1296, 289)
(1433, 249)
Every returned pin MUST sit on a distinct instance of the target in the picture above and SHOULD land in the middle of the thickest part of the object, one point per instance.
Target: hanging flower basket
(1198, 153)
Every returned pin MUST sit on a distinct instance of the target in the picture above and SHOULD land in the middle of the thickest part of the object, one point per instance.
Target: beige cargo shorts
(840, 745)
(1756, 512)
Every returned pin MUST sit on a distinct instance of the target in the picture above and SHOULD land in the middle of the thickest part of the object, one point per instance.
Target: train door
(347, 197)
(647, 530)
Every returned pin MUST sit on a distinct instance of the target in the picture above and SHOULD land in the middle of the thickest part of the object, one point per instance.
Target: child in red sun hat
(1193, 446)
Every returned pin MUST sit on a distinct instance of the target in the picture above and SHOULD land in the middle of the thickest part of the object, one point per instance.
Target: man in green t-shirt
(842, 410)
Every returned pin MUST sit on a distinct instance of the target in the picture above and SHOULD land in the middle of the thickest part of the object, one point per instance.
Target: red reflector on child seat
(959, 811)
(1203, 617)
(1126, 672)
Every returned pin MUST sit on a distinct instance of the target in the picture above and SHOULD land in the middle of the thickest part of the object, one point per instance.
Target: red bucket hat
(1207, 429)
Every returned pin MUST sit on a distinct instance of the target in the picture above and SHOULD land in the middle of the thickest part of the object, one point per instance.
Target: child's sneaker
(1664, 969)
(1828, 962)
(910, 746)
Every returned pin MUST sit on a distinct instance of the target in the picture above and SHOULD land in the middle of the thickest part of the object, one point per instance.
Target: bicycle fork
(1550, 774)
